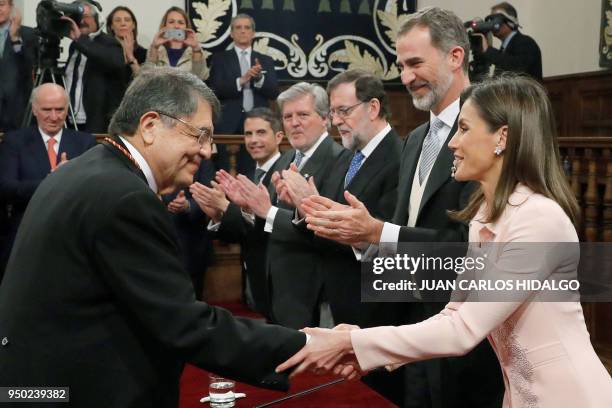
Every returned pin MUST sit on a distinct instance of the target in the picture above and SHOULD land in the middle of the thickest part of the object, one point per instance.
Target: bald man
(28, 155)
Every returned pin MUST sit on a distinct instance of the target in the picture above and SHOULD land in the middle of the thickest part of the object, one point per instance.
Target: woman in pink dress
(506, 141)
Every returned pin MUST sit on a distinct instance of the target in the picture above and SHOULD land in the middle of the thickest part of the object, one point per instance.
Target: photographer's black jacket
(521, 55)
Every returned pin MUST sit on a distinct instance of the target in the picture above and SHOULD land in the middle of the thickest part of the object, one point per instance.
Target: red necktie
(51, 153)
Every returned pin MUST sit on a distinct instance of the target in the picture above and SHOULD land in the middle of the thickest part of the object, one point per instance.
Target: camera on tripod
(50, 28)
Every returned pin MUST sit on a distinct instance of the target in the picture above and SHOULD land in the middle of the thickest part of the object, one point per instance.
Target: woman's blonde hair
(177, 10)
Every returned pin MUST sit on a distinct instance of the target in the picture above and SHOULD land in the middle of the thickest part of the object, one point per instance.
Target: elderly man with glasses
(359, 109)
(95, 297)
(296, 287)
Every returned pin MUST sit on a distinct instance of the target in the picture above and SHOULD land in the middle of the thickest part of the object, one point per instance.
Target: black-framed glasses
(344, 112)
(203, 135)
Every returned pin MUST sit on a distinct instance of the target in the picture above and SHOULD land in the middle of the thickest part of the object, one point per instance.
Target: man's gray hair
(321, 101)
(161, 89)
(242, 15)
(445, 29)
(36, 91)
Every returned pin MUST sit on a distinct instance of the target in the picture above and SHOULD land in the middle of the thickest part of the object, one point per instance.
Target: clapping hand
(211, 200)
(179, 204)
(256, 195)
(352, 225)
(230, 186)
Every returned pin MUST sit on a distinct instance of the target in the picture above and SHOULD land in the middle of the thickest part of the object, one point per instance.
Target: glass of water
(221, 391)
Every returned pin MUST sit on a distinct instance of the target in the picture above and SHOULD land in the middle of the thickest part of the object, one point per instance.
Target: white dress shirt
(144, 166)
(46, 137)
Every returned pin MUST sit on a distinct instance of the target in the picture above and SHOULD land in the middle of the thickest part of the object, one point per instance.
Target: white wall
(566, 30)
(148, 13)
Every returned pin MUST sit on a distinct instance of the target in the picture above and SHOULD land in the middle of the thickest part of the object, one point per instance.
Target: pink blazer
(543, 348)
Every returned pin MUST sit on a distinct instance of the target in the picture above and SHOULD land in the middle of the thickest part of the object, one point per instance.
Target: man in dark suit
(95, 73)
(190, 222)
(432, 48)
(296, 286)
(518, 52)
(29, 155)
(262, 136)
(18, 48)
(95, 296)
(243, 79)
(359, 108)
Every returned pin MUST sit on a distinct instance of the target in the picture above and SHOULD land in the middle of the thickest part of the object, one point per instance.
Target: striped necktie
(431, 148)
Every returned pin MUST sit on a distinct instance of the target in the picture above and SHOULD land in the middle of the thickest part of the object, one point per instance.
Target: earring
(498, 150)
(453, 171)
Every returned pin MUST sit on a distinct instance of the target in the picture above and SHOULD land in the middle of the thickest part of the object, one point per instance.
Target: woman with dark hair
(176, 45)
(522, 221)
(121, 23)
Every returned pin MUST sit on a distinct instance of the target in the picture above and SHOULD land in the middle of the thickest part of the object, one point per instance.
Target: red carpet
(194, 385)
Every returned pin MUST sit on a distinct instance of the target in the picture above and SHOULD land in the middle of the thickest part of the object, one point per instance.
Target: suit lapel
(373, 164)
(281, 164)
(124, 158)
(440, 172)
(38, 151)
(318, 159)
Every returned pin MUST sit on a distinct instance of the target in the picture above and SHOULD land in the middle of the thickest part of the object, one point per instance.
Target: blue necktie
(298, 158)
(353, 168)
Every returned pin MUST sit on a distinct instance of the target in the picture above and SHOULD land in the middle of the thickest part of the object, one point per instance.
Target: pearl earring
(498, 150)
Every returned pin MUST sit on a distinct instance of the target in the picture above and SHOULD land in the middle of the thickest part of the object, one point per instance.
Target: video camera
(50, 28)
(49, 15)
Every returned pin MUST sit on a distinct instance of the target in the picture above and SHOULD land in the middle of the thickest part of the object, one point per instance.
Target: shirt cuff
(238, 86)
(260, 82)
(389, 239)
(213, 226)
(250, 218)
(270, 219)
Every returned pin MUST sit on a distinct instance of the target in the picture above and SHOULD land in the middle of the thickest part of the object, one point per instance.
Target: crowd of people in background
(306, 218)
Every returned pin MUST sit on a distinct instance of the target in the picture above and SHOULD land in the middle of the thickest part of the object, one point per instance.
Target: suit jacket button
(5, 341)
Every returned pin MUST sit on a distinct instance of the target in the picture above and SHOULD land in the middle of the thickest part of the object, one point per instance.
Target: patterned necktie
(353, 168)
(3, 37)
(247, 92)
(431, 148)
(298, 158)
(259, 173)
(51, 153)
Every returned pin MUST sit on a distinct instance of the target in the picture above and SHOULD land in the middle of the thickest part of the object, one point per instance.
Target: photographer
(176, 45)
(94, 72)
(518, 52)
(17, 54)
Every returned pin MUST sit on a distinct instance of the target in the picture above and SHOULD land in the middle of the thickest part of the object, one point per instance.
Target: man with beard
(432, 48)
(359, 108)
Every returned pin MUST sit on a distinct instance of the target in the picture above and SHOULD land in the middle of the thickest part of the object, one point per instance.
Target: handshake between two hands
(327, 350)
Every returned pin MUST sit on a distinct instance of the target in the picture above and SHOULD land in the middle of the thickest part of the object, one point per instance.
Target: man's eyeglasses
(344, 112)
(203, 135)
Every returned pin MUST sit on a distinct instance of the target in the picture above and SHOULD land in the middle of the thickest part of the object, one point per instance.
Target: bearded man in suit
(95, 296)
(432, 48)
